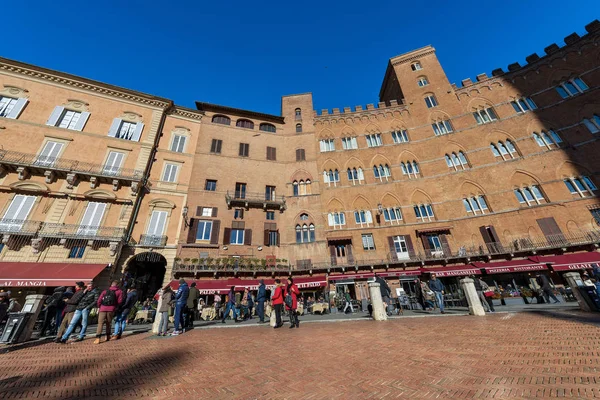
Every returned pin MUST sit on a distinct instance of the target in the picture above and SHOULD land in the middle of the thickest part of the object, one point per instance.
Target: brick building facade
(435, 176)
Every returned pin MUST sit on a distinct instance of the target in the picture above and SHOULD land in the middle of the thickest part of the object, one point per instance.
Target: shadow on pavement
(589, 318)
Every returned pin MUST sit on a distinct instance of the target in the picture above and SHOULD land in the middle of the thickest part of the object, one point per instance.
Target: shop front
(23, 279)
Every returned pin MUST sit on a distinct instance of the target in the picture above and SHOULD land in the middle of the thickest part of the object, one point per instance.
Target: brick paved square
(522, 355)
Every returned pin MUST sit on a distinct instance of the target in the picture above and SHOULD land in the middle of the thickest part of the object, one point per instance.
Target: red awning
(343, 277)
(462, 270)
(502, 267)
(222, 286)
(399, 273)
(367, 275)
(568, 262)
(19, 274)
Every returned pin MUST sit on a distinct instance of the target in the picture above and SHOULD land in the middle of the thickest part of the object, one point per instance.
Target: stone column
(379, 311)
(156, 323)
(475, 307)
(574, 281)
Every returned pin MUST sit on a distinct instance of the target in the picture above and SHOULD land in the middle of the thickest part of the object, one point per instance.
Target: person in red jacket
(277, 301)
(293, 291)
(108, 302)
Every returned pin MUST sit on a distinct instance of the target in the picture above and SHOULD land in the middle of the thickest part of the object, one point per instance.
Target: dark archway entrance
(145, 272)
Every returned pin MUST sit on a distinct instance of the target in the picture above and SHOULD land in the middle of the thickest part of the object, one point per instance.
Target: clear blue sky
(248, 54)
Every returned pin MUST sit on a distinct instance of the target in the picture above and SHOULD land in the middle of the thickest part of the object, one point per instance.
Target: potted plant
(195, 261)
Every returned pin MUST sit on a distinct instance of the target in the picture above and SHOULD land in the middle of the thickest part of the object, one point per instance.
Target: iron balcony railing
(10, 157)
(70, 231)
(152, 241)
(234, 264)
(19, 227)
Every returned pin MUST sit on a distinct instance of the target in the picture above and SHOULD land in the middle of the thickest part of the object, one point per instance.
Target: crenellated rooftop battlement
(534, 58)
(392, 104)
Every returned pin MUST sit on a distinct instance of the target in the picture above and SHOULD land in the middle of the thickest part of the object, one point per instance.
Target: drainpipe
(144, 181)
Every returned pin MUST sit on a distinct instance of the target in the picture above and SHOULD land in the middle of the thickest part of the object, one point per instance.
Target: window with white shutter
(113, 163)
(156, 228)
(49, 154)
(11, 107)
(17, 213)
(170, 173)
(92, 218)
(178, 144)
(126, 130)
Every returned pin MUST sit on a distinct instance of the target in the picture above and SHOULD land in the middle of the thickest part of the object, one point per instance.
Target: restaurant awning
(20, 274)
(461, 270)
(343, 277)
(568, 262)
(401, 272)
(502, 267)
(222, 286)
(367, 275)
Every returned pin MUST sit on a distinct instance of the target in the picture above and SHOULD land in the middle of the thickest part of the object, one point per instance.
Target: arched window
(382, 171)
(298, 234)
(221, 119)
(506, 150)
(430, 101)
(457, 161)
(304, 233)
(298, 113)
(298, 128)
(485, 115)
(308, 187)
(356, 175)
(410, 169)
(295, 187)
(244, 123)
(530, 195)
(331, 176)
(416, 66)
(311, 231)
(442, 127)
(547, 139)
(303, 217)
(267, 127)
(302, 187)
(422, 81)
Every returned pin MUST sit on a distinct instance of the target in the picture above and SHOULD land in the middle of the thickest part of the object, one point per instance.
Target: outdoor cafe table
(319, 308)
(145, 315)
(208, 313)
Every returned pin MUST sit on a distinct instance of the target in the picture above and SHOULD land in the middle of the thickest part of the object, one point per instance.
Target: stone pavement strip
(506, 355)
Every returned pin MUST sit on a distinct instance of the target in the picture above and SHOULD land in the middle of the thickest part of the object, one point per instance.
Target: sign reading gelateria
(22, 283)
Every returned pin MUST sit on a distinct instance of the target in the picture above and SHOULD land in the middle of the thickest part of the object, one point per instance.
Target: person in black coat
(53, 305)
(261, 297)
(385, 292)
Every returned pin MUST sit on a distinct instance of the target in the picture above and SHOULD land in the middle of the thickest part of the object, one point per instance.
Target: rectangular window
(327, 145)
(400, 247)
(178, 144)
(238, 213)
(240, 190)
(336, 219)
(368, 242)
(170, 172)
(113, 163)
(270, 215)
(237, 236)
(349, 143)
(68, 119)
(210, 185)
(215, 146)
(423, 212)
(6, 105)
(207, 212)
(156, 228)
(204, 230)
(400, 136)
(435, 244)
(17, 213)
(374, 140)
(77, 250)
(273, 238)
(270, 193)
(271, 153)
(593, 124)
(392, 214)
(300, 155)
(596, 214)
(431, 101)
(244, 149)
(92, 217)
(49, 154)
(126, 130)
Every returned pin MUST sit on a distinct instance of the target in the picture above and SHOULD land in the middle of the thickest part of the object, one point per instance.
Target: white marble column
(475, 307)
(379, 311)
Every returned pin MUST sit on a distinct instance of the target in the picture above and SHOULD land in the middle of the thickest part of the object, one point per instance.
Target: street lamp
(184, 214)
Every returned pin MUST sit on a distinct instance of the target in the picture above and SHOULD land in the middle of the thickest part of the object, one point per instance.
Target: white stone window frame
(486, 115)
(171, 164)
(327, 145)
(374, 140)
(400, 136)
(479, 201)
(547, 139)
(592, 124)
(349, 143)
(430, 215)
(330, 180)
(180, 133)
(397, 211)
(368, 241)
(110, 170)
(577, 87)
(585, 182)
(365, 218)
(48, 139)
(415, 171)
(341, 217)
(536, 200)
(360, 176)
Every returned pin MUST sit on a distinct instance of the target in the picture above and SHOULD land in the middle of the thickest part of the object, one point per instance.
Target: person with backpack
(291, 302)
(123, 313)
(277, 301)
(108, 302)
(52, 304)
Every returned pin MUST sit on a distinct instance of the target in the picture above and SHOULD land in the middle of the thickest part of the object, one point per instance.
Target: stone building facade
(434, 176)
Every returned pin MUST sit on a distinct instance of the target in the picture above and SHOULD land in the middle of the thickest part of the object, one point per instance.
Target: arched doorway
(145, 272)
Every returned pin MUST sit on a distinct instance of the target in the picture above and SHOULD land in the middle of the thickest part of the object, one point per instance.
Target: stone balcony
(65, 231)
(72, 170)
(249, 200)
(152, 241)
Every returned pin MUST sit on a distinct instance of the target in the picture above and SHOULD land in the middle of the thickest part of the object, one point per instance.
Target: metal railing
(256, 197)
(16, 158)
(19, 226)
(69, 231)
(152, 241)
(234, 264)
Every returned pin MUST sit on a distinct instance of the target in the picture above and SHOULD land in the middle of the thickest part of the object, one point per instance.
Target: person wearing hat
(70, 306)
(261, 297)
(587, 281)
(181, 297)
